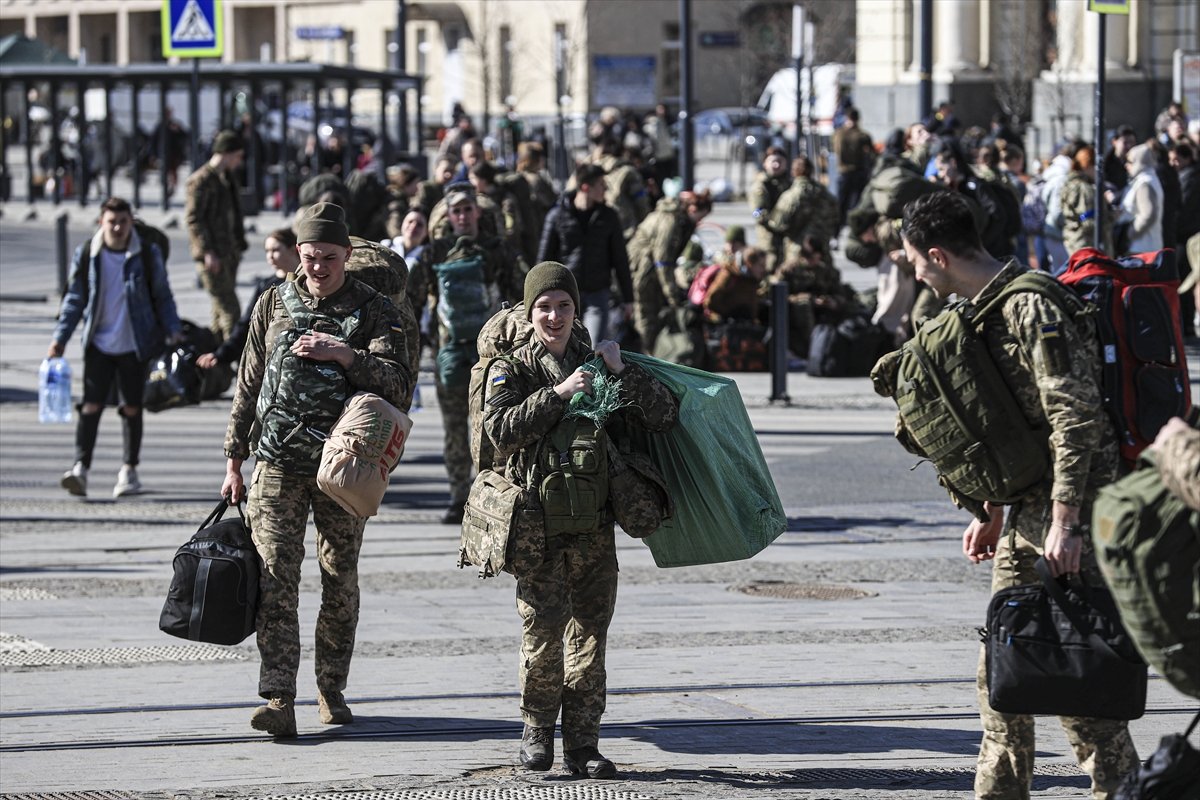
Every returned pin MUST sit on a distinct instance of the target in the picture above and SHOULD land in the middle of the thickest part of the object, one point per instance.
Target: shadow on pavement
(809, 739)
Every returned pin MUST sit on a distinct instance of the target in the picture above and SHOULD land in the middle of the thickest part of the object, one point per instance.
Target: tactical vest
(957, 409)
(570, 474)
(300, 399)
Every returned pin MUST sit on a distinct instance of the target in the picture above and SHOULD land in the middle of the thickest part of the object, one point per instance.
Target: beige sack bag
(362, 450)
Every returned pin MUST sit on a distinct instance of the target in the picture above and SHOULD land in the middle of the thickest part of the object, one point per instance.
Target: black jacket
(1189, 208)
(593, 252)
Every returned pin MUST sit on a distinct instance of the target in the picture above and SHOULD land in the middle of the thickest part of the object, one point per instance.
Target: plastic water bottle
(54, 391)
(416, 399)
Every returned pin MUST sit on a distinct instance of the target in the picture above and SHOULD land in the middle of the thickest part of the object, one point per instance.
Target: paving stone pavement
(838, 663)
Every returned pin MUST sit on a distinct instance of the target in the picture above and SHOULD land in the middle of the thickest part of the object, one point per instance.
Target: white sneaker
(74, 480)
(127, 483)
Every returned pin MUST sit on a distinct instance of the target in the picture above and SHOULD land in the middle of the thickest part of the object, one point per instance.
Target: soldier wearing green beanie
(546, 276)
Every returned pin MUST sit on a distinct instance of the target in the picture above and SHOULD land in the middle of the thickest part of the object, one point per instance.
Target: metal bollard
(779, 342)
(62, 248)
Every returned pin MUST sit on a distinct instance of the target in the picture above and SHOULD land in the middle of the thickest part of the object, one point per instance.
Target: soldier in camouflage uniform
(805, 209)
(653, 253)
(1178, 446)
(769, 186)
(504, 274)
(355, 343)
(1050, 360)
(572, 594)
(213, 210)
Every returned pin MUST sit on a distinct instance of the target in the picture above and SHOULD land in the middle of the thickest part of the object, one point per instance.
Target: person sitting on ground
(734, 291)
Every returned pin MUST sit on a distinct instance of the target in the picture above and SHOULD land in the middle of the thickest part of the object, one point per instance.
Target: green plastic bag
(726, 504)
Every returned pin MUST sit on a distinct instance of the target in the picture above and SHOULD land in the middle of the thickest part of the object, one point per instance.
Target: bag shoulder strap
(1035, 283)
(1061, 600)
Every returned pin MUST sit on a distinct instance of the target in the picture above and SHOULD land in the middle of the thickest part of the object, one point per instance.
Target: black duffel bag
(846, 349)
(174, 380)
(1171, 772)
(214, 595)
(1058, 648)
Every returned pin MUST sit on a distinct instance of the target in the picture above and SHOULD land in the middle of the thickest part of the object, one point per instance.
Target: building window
(506, 47)
(668, 87)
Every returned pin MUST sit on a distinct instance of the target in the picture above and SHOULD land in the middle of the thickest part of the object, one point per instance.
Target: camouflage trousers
(456, 443)
(1103, 747)
(566, 606)
(278, 507)
(222, 289)
(648, 303)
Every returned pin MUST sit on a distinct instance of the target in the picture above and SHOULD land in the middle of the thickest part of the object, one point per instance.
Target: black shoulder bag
(1059, 648)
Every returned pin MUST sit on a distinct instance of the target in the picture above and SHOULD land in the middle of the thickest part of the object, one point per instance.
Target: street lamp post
(687, 144)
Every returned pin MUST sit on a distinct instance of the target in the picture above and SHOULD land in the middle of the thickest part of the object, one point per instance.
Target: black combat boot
(588, 761)
(537, 748)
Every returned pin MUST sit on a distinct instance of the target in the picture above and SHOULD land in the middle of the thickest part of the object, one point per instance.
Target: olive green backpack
(957, 409)
(1148, 545)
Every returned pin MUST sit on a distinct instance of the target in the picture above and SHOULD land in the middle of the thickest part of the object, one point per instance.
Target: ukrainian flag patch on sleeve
(1050, 330)
(499, 380)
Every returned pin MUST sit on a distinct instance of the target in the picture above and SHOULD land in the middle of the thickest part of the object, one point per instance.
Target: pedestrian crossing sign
(192, 28)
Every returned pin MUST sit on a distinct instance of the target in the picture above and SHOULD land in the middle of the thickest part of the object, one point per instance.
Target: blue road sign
(192, 28)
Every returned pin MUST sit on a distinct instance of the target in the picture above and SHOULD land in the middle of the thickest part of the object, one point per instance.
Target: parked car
(731, 132)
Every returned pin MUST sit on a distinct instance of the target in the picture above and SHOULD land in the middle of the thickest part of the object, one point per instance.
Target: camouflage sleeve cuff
(1066, 493)
(238, 454)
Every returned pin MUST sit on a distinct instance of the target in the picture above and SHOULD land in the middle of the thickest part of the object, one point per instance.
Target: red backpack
(1145, 380)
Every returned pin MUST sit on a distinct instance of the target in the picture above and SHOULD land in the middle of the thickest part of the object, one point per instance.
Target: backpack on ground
(846, 349)
(737, 346)
(214, 594)
(465, 302)
(957, 410)
(1148, 545)
(300, 399)
(681, 337)
(1144, 370)
(363, 448)
(500, 336)
(173, 381)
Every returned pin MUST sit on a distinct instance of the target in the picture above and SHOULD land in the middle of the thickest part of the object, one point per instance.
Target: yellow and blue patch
(1050, 330)
(499, 380)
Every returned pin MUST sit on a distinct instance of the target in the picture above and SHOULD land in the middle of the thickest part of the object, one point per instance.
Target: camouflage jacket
(491, 219)
(765, 193)
(659, 242)
(625, 191)
(1078, 202)
(521, 407)
(1179, 465)
(502, 266)
(806, 208)
(380, 362)
(1052, 365)
(213, 209)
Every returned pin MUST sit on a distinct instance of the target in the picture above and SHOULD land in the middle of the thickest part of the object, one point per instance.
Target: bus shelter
(123, 91)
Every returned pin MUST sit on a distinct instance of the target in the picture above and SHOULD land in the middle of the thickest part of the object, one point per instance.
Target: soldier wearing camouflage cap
(575, 586)
(312, 343)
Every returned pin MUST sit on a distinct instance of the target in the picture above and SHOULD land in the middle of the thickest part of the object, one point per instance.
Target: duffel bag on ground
(847, 349)
(174, 380)
(214, 595)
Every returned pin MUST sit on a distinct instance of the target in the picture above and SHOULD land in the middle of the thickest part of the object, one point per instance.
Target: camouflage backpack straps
(300, 399)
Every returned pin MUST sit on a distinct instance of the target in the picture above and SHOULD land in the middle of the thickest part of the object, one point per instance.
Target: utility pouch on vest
(572, 478)
(501, 529)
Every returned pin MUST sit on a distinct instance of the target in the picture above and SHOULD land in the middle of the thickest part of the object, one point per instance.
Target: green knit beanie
(544, 277)
(323, 222)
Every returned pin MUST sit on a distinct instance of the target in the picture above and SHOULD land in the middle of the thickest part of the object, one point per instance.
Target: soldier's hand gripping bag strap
(1061, 650)
(1147, 542)
(503, 528)
(214, 594)
(363, 448)
(1171, 772)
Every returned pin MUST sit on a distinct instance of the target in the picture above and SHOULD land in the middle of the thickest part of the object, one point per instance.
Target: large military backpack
(957, 410)
(1148, 545)
(1143, 366)
(507, 330)
(465, 302)
(514, 183)
(300, 399)
(385, 271)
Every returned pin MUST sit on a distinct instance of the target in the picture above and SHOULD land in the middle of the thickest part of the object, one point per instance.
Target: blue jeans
(595, 314)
